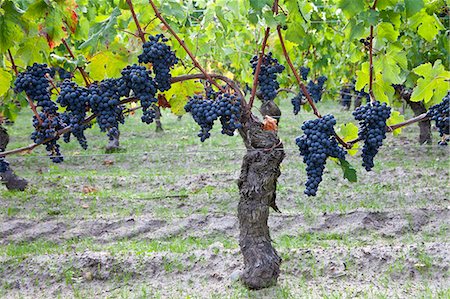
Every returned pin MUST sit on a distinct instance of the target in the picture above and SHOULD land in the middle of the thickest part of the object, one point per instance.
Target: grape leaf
(428, 26)
(351, 7)
(5, 81)
(349, 170)
(347, 132)
(432, 86)
(412, 7)
(395, 118)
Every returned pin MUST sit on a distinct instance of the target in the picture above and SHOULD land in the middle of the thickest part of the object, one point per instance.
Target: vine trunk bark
(418, 108)
(9, 178)
(257, 188)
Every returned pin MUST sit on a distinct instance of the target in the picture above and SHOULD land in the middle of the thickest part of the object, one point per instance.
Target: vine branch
(258, 69)
(372, 96)
(30, 102)
(181, 42)
(80, 69)
(297, 77)
(136, 21)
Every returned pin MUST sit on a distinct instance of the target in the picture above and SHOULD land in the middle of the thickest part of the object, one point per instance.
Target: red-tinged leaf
(162, 101)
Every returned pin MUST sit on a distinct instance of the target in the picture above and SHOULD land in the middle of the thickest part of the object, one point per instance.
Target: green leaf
(428, 26)
(349, 171)
(102, 32)
(351, 7)
(392, 64)
(12, 25)
(434, 83)
(347, 132)
(412, 7)
(362, 76)
(5, 81)
(386, 30)
(395, 118)
(105, 65)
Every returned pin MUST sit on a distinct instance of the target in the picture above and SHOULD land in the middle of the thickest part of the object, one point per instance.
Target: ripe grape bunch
(372, 120)
(227, 107)
(346, 96)
(162, 58)
(35, 84)
(75, 99)
(48, 130)
(4, 165)
(440, 113)
(316, 145)
(267, 78)
(316, 90)
(104, 100)
(297, 102)
(138, 79)
(304, 71)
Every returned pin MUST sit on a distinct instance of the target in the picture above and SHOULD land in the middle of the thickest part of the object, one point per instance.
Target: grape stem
(80, 69)
(30, 102)
(181, 42)
(51, 82)
(87, 120)
(258, 69)
(297, 77)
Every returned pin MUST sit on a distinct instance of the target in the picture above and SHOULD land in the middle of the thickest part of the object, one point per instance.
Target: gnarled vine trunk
(418, 108)
(9, 178)
(425, 126)
(257, 188)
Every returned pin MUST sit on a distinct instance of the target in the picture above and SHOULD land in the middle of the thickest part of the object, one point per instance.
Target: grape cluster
(204, 111)
(440, 113)
(296, 102)
(4, 165)
(316, 145)
(210, 93)
(316, 90)
(46, 130)
(162, 58)
(304, 71)
(104, 100)
(76, 101)
(138, 79)
(361, 94)
(346, 96)
(37, 86)
(372, 120)
(267, 79)
(63, 74)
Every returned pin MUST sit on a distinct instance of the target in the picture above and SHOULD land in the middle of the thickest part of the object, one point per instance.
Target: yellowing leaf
(178, 95)
(5, 81)
(433, 85)
(105, 65)
(395, 118)
(347, 132)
